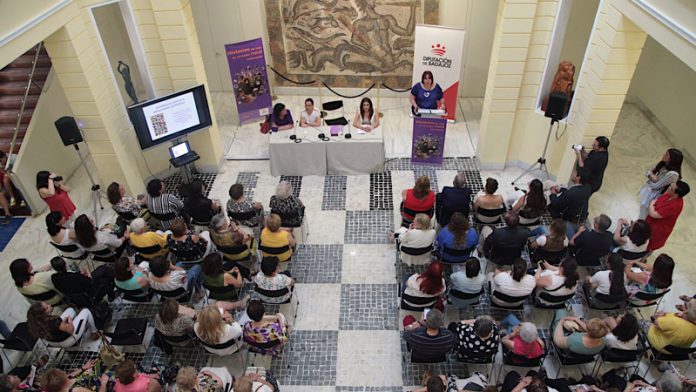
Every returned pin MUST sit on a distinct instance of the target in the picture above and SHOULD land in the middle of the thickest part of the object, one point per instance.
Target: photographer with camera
(595, 161)
(55, 194)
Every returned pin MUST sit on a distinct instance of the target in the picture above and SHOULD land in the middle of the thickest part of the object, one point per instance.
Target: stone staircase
(13, 82)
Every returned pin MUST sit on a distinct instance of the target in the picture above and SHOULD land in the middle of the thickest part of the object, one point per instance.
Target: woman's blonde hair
(211, 327)
(186, 379)
(597, 328)
(273, 222)
(423, 221)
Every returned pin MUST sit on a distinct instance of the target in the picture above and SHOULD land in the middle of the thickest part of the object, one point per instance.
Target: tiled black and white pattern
(295, 181)
(317, 264)
(412, 373)
(334, 197)
(447, 164)
(368, 227)
(248, 180)
(381, 191)
(308, 359)
(368, 306)
(173, 182)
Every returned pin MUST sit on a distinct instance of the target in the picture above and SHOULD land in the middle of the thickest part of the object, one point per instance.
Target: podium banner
(249, 79)
(439, 50)
(428, 143)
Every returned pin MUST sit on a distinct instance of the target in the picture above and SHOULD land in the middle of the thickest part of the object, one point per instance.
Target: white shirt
(309, 118)
(467, 285)
(506, 285)
(613, 342)
(541, 241)
(601, 279)
(232, 332)
(416, 238)
(557, 280)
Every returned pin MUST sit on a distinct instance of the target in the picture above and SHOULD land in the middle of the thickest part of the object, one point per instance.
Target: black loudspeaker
(556, 108)
(68, 130)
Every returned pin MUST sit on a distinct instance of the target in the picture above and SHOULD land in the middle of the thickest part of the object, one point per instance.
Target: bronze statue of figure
(124, 70)
(563, 82)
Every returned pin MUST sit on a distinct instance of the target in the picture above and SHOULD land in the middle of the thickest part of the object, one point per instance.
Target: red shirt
(419, 205)
(61, 202)
(527, 350)
(669, 209)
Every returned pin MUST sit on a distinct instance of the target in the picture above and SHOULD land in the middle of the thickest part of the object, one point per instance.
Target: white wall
(665, 85)
(42, 148)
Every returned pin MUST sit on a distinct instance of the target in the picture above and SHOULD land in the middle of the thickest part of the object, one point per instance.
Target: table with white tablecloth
(361, 154)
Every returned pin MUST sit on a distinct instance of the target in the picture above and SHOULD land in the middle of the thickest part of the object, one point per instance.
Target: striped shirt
(425, 347)
(165, 203)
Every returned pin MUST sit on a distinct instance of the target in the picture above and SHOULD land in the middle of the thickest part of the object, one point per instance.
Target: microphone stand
(294, 133)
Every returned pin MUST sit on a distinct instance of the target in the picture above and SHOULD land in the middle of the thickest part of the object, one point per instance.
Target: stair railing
(24, 101)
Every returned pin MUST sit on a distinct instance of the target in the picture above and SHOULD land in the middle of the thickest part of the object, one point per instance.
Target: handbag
(440, 304)
(108, 354)
(266, 126)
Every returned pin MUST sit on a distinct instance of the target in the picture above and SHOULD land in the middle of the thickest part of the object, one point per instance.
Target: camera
(624, 230)
(577, 147)
(57, 178)
(234, 274)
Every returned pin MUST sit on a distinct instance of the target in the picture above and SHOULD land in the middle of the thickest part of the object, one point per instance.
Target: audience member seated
(82, 289)
(238, 204)
(141, 238)
(431, 342)
(273, 237)
(558, 281)
(647, 278)
(582, 338)
(531, 205)
(288, 207)
(515, 283)
(634, 240)
(56, 380)
(59, 330)
(310, 117)
(675, 329)
(174, 320)
(428, 286)
(504, 244)
(469, 280)
(30, 283)
(532, 382)
(419, 199)
(166, 277)
(272, 279)
(162, 206)
(122, 204)
(591, 246)
(419, 235)
(624, 332)
(459, 236)
(607, 285)
(129, 379)
(215, 276)
(62, 235)
(456, 198)
(281, 118)
(521, 339)
(185, 246)
(209, 379)
(568, 203)
(129, 276)
(228, 238)
(488, 199)
(366, 118)
(265, 334)
(255, 383)
(198, 207)
(55, 193)
(477, 340)
(551, 246)
(215, 326)
(93, 240)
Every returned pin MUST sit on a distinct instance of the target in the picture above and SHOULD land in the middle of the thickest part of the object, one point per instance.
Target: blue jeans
(5, 330)
(571, 229)
(509, 323)
(194, 276)
(539, 231)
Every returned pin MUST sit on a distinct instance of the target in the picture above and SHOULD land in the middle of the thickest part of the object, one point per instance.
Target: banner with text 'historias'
(249, 79)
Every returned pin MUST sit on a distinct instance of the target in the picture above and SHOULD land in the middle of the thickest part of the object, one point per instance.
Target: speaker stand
(97, 195)
(541, 162)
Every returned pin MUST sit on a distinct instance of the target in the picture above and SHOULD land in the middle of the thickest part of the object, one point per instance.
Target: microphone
(294, 133)
(347, 135)
(321, 134)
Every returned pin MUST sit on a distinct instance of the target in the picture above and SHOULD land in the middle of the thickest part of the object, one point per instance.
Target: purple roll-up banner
(428, 139)
(249, 79)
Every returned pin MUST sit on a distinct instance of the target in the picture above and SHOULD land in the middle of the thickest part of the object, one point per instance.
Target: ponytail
(616, 274)
(519, 269)
(570, 271)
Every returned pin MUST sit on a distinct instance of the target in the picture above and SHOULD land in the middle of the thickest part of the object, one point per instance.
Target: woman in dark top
(215, 276)
(82, 289)
(200, 208)
(58, 330)
(281, 119)
(185, 246)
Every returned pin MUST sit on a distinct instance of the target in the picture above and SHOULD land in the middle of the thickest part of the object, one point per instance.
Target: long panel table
(362, 154)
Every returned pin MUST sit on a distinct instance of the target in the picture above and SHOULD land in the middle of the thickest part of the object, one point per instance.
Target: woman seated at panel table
(427, 94)
(367, 117)
(310, 117)
(281, 119)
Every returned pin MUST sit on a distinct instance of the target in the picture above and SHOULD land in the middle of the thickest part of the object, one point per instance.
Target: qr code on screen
(159, 125)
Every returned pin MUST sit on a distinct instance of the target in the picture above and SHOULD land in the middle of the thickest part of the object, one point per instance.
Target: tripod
(542, 159)
(96, 191)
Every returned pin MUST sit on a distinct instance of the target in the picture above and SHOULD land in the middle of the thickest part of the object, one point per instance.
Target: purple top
(282, 121)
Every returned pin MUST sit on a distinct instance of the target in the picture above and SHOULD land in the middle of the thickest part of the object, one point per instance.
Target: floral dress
(242, 207)
(290, 205)
(470, 347)
(128, 204)
(187, 250)
(262, 335)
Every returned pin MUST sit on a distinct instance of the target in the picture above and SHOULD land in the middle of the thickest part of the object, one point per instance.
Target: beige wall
(577, 35)
(665, 85)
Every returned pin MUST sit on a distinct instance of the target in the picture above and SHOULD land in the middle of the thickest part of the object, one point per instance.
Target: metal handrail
(24, 102)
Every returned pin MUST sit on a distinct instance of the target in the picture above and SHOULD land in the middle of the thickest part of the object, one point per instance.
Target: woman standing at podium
(427, 94)
(366, 118)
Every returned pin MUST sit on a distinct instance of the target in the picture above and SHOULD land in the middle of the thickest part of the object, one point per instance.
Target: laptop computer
(181, 154)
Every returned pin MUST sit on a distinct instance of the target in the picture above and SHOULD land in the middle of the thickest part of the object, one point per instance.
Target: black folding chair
(450, 255)
(45, 296)
(508, 301)
(566, 357)
(632, 256)
(332, 106)
(264, 293)
(129, 332)
(220, 293)
(63, 250)
(546, 300)
(512, 359)
(275, 251)
(417, 304)
(485, 216)
(180, 295)
(551, 257)
(20, 340)
(405, 222)
(676, 354)
(142, 295)
(473, 298)
(238, 217)
(651, 299)
(145, 252)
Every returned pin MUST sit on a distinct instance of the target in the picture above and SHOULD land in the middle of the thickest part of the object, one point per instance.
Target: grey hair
(137, 225)
(668, 382)
(459, 180)
(283, 190)
(434, 319)
(218, 221)
(528, 332)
